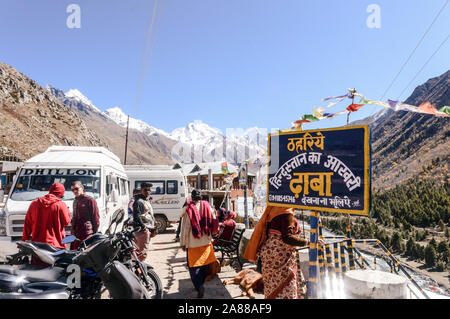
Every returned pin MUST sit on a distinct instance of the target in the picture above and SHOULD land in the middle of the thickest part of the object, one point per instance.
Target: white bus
(100, 171)
(168, 191)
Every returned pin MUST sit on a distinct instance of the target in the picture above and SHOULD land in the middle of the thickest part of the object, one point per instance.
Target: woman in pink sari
(275, 239)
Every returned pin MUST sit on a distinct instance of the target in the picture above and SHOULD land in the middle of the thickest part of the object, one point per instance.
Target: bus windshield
(34, 183)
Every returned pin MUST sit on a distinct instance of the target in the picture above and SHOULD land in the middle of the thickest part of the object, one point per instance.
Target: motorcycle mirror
(68, 239)
(117, 216)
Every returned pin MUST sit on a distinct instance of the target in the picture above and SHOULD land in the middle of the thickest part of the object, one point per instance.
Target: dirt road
(169, 261)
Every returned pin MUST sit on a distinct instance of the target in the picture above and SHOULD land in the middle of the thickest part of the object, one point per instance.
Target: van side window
(123, 186)
(158, 187)
(108, 186)
(172, 187)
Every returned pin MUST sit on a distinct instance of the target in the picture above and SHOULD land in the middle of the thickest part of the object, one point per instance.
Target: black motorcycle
(107, 263)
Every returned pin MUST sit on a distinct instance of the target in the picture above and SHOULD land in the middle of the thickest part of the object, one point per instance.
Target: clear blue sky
(233, 63)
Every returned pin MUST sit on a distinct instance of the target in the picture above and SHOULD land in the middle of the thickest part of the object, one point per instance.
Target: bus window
(158, 187)
(123, 186)
(172, 187)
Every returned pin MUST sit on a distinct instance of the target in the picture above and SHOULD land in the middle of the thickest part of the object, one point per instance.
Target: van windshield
(34, 183)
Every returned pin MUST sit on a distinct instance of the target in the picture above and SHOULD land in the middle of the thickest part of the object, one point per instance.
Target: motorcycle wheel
(155, 291)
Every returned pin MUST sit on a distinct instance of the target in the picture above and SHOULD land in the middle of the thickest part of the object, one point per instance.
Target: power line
(147, 55)
(434, 53)
(413, 51)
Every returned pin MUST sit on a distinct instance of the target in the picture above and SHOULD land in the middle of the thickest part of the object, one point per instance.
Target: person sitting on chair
(226, 229)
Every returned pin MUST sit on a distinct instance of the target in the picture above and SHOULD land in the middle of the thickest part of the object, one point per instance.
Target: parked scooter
(107, 263)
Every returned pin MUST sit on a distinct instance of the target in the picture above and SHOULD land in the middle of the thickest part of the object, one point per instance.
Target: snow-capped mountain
(205, 142)
(73, 98)
(142, 147)
(235, 145)
(197, 133)
(197, 139)
(118, 116)
(78, 96)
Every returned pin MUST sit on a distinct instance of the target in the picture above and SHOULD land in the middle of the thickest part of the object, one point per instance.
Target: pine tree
(433, 243)
(420, 251)
(441, 224)
(443, 250)
(410, 245)
(396, 242)
(430, 256)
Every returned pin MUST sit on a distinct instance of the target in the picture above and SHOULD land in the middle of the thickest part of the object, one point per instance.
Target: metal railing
(321, 258)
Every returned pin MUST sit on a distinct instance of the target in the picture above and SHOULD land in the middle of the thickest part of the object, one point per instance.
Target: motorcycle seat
(50, 294)
(43, 254)
(33, 274)
(45, 246)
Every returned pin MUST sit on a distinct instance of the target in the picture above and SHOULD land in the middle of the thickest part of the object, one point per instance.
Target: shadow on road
(214, 289)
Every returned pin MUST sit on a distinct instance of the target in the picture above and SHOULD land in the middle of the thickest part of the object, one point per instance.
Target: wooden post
(351, 257)
(336, 260)
(312, 280)
(329, 262)
(321, 261)
(126, 142)
(343, 259)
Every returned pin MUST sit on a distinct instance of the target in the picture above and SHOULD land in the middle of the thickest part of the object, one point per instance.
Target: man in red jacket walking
(46, 218)
(86, 219)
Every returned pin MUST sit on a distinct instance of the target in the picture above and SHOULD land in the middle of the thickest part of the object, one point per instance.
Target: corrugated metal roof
(216, 168)
(193, 169)
(148, 167)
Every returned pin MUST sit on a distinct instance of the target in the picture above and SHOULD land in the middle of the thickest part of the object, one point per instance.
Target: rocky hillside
(407, 144)
(31, 119)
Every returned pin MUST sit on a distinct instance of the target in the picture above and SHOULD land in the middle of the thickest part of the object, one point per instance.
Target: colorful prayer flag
(224, 168)
(429, 108)
(354, 107)
(334, 97)
(318, 114)
(392, 103)
(445, 109)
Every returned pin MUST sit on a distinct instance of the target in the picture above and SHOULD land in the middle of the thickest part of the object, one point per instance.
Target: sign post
(320, 170)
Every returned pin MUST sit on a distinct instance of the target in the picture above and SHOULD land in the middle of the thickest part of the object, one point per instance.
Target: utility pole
(245, 181)
(126, 142)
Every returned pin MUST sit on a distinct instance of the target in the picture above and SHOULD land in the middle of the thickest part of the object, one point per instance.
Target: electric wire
(149, 47)
(409, 58)
(425, 64)
(414, 50)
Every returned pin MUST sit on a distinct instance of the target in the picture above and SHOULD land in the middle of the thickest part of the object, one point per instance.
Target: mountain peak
(116, 111)
(78, 96)
(117, 115)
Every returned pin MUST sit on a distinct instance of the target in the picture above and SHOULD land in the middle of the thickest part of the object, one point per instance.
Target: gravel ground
(169, 262)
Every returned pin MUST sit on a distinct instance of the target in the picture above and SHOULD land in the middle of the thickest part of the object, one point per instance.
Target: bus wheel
(160, 223)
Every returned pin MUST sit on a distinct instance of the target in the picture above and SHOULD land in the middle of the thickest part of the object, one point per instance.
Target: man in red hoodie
(46, 218)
